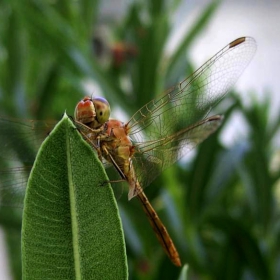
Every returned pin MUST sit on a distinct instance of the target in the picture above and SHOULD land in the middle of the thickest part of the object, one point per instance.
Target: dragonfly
(166, 128)
(157, 135)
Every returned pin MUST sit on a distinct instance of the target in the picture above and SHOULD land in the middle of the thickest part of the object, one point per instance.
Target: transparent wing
(152, 160)
(169, 126)
(13, 183)
(192, 99)
(19, 142)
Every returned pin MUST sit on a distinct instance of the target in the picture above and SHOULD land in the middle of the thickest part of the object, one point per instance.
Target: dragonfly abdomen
(158, 227)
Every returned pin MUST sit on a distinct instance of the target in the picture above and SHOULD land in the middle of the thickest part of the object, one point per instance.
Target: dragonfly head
(93, 112)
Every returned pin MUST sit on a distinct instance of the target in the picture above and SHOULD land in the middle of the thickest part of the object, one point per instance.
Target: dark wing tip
(237, 42)
(241, 40)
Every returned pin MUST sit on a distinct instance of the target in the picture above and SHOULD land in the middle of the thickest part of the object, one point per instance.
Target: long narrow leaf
(71, 226)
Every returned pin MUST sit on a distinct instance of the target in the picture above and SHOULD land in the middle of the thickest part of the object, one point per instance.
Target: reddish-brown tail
(160, 230)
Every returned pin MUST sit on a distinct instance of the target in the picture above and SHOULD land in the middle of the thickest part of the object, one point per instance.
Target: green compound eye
(102, 109)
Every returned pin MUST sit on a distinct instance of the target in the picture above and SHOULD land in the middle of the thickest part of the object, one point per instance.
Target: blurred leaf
(257, 160)
(177, 63)
(240, 243)
(223, 171)
(183, 274)
(202, 171)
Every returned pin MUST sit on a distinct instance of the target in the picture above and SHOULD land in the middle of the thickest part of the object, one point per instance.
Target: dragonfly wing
(192, 99)
(155, 156)
(20, 141)
(12, 185)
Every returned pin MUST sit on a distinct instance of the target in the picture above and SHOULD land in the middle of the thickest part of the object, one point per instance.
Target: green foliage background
(221, 208)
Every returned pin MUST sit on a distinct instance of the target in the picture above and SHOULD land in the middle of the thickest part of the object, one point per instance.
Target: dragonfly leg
(112, 181)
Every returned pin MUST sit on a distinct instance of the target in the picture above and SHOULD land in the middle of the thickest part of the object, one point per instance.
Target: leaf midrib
(74, 221)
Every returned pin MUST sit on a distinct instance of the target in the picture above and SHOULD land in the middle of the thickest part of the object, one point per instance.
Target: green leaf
(177, 61)
(71, 226)
(183, 274)
(242, 247)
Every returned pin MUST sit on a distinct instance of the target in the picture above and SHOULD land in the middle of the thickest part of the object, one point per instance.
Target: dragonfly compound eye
(85, 111)
(102, 109)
